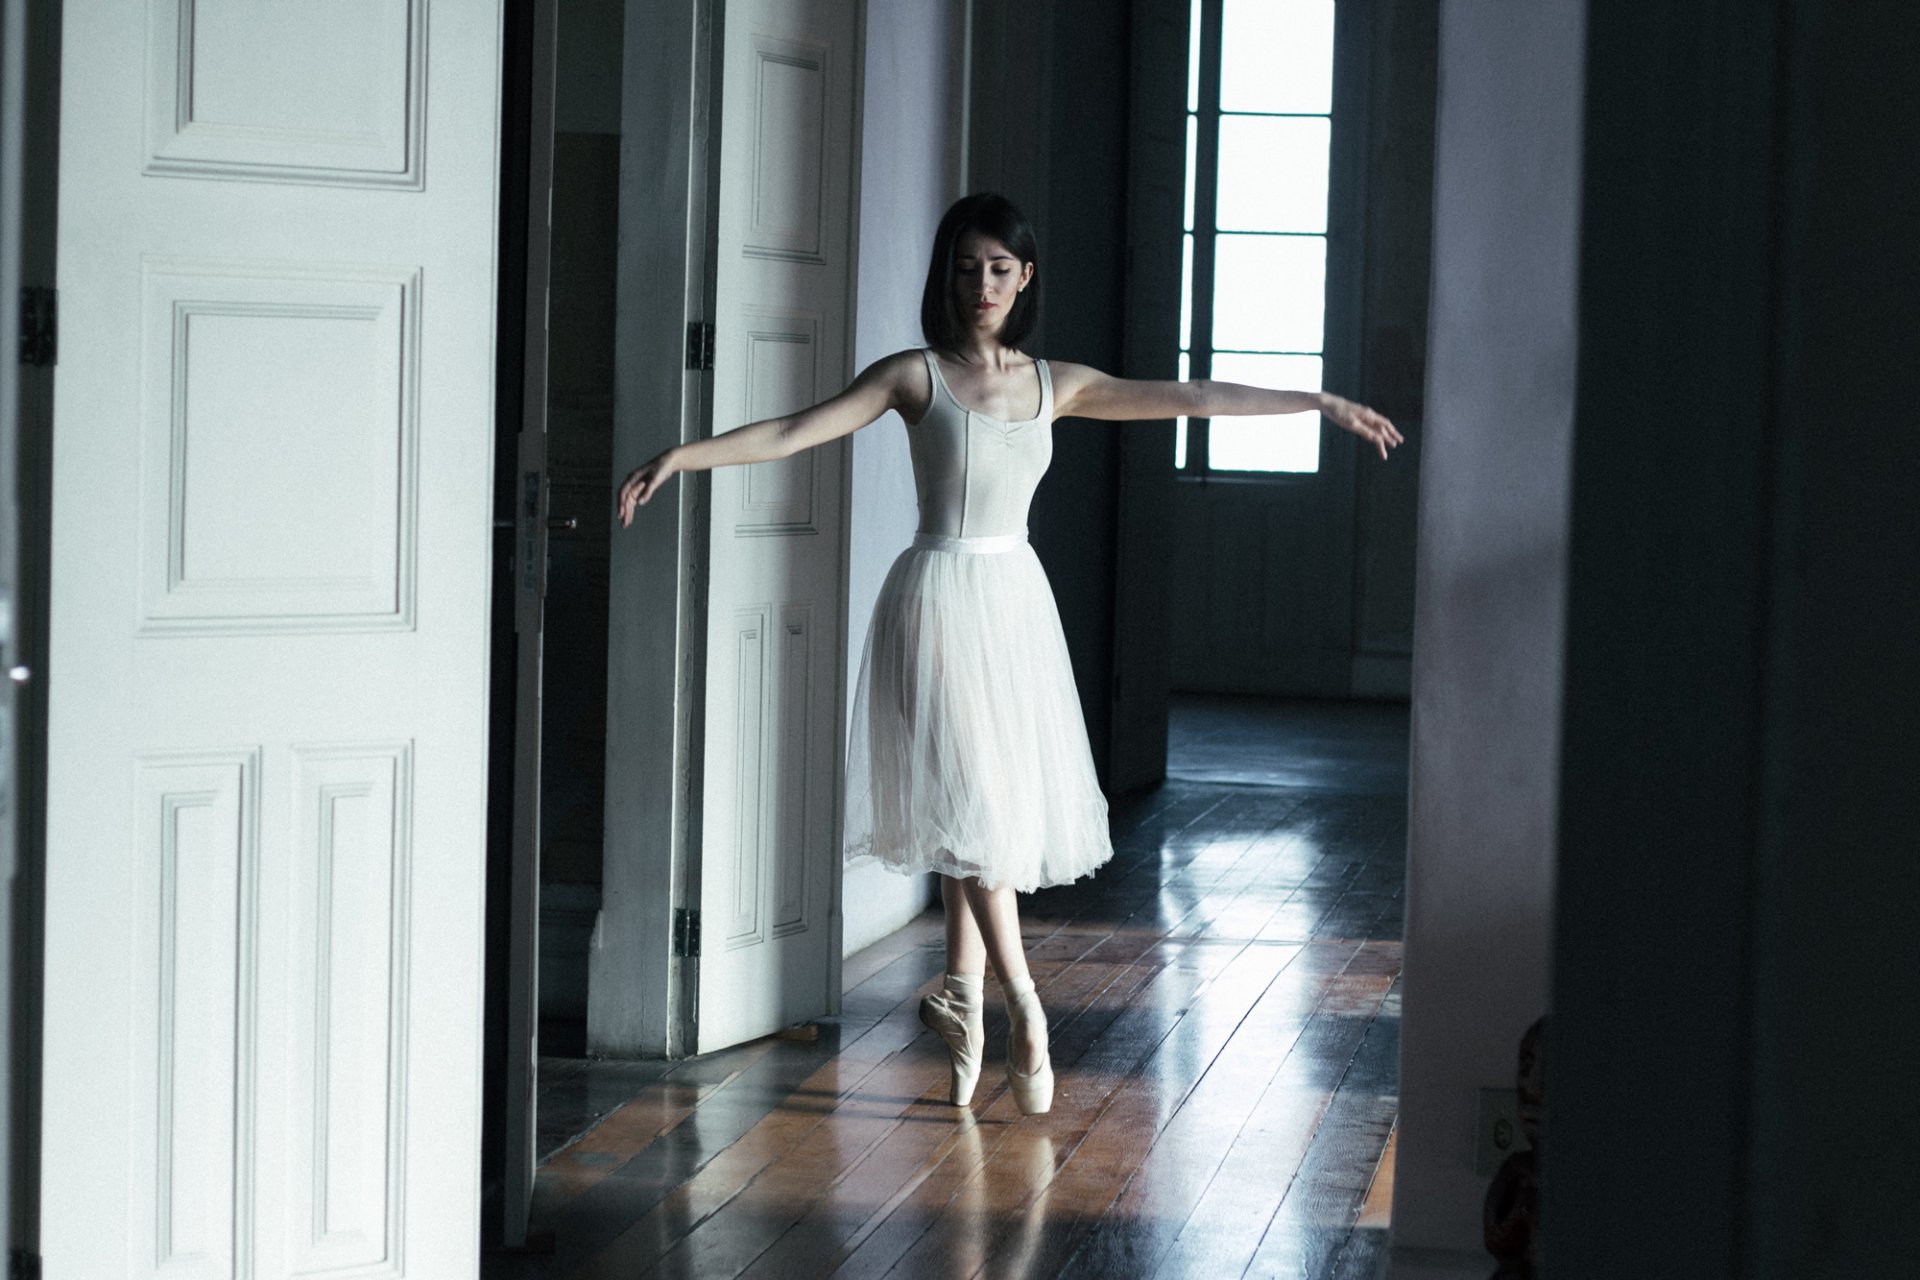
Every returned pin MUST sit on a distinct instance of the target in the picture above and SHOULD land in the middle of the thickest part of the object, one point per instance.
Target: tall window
(1259, 139)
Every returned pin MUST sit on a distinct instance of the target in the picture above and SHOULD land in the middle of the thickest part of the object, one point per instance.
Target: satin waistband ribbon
(979, 546)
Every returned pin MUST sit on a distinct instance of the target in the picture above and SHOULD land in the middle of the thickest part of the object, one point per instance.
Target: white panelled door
(274, 425)
(784, 280)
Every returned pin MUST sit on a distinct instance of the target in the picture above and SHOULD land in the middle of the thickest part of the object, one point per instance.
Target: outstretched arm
(1082, 392)
(885, 384)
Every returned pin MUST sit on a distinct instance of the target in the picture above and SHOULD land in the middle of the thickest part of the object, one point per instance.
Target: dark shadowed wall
(1732, 817)
(1048, 129)
(1732, 1061)
(580, 365)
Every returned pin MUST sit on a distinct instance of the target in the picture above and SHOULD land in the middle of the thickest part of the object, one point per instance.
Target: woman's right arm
(885, 384)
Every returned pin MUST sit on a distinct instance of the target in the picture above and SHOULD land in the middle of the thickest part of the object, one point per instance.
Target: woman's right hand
(642, 483)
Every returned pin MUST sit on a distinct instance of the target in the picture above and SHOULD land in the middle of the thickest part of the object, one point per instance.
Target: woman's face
(986, 280)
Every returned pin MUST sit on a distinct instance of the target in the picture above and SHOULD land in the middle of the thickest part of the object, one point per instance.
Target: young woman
(968, 754)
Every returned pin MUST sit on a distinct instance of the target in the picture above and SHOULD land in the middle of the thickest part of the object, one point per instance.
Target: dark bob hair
(995, 217)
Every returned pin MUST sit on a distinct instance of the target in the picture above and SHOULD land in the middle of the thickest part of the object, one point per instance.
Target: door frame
(30, 154)
(13, 67)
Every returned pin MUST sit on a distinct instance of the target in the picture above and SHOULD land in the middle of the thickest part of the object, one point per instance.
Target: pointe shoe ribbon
(965, 1038)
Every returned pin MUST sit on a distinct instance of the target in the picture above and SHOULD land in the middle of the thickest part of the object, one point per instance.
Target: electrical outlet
(1497, 1131)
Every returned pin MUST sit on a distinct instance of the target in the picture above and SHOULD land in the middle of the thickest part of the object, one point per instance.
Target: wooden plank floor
(1224, 1008)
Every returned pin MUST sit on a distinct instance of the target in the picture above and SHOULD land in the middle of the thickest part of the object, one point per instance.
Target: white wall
(910, 166)
(1489, 597)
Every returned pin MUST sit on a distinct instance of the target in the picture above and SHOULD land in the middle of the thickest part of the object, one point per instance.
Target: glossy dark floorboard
(1224, 1008)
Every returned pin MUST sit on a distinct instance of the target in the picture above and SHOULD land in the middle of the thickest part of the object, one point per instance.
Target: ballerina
(967, 753)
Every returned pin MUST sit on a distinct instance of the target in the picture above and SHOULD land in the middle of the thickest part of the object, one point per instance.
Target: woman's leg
(956, 1013)
(966, 953)
(996, 917)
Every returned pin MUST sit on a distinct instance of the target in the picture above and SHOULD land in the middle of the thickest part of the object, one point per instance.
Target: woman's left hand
(1364, 422)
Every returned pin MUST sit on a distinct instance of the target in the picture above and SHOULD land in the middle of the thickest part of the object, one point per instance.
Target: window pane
(1279, 442)
(1180, 424)
(1273, 173)
(1193, 155)
(1277, 55)
(1186, 294)
(1269, 292)
(1193, 62)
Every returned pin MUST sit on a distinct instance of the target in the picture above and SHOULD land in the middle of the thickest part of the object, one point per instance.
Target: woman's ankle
(965, 990)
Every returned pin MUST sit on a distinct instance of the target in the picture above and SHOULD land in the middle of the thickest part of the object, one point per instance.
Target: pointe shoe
(962, 1026)
(1032, 1092)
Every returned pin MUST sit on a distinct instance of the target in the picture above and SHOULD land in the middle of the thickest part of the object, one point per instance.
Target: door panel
(269, 627)
(769, 854)
(328, 355)
(347, 1015)
(1261, 593)
(639, 987)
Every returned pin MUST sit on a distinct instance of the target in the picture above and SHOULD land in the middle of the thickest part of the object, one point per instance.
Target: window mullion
(1205, 201)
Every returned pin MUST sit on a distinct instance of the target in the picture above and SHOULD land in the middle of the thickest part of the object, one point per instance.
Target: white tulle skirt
(968, 754)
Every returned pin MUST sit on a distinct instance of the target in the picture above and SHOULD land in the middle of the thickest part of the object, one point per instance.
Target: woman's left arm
(1083, 392)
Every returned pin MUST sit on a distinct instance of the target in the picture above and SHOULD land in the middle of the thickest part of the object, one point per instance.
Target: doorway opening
(575, 139)
(1307, 216)
(665, 838)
